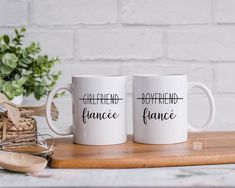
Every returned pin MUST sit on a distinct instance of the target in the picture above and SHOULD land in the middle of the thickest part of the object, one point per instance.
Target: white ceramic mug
(99, 110)
(160, 108)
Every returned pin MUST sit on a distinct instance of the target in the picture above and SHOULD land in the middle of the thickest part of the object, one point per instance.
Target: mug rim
(158, 75)
(97, 76)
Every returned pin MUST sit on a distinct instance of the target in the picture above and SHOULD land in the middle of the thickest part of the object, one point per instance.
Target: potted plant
(24, 70)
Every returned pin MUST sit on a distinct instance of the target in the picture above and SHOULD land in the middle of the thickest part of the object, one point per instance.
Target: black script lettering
(148, 115)
(86, 115)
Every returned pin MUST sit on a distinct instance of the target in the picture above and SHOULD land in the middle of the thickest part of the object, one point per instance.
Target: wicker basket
(17, 126)
(25, 132)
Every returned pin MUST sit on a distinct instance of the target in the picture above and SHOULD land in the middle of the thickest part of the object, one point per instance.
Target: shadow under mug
(99, 110)
(160, 108)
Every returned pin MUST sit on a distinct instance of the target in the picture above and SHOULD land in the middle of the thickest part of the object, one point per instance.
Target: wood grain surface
(201, 149)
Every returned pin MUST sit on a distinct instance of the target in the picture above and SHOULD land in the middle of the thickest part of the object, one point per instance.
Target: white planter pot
(17, 100)
(31, 101)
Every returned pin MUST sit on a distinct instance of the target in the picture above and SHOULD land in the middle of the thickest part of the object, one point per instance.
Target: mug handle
(209, 95)
(50, 123)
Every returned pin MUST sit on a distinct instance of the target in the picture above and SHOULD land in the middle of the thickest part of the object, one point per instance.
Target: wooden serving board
(201, 149)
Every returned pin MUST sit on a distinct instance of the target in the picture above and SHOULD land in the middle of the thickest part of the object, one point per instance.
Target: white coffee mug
(99, 110)
(160, 108)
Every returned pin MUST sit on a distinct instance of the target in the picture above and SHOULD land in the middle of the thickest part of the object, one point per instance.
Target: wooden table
(206, 176)
(191, 176)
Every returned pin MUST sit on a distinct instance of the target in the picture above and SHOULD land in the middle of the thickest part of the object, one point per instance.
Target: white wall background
(195, 37)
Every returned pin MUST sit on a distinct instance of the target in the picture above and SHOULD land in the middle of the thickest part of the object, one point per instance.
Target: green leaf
(15, 84)
(6, 39)
(10, 60)
(26, 61)
(37, 94)
(22, 80)
(24, 70)
(5, 69)
(18, 91)
(8, 90)
(5, 47)
(22, 64)
(17, 76)
(23, 29)
(16, 32)
(40, 60)
(37, 71)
